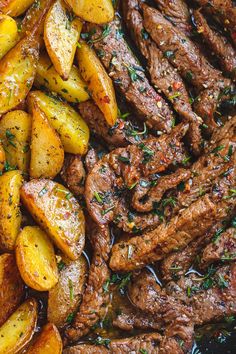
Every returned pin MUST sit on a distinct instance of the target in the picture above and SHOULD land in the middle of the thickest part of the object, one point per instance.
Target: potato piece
(95, 11)
(2, 158)
(61, 34)
(65, 297)
(70, 126)
(10, 216)
(17, 72)
(8, 34)
(36, 259)
(15, 134)
(18, 330)
(73, 90)
(48, 341)
(59, 214)
(12, 288)
(47, 154)
(99, 83)
(15, 8)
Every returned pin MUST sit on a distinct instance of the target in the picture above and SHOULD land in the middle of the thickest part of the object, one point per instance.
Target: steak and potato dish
(117, 176)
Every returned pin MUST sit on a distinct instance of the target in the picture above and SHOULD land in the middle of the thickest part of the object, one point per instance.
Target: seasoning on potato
(8, 34)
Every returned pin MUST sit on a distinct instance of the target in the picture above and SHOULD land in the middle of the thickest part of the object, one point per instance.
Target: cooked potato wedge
(10, 216)
(61, 34)
(15, 135)
(2, 158)
(70, 126)
(18, 330)
(58, 213)
(65, 297)
(8, 34)
(47, 154)
(36, 259)
(15, 8)
(11, 286)
(17, 72)
(48, 341)
(99, 83)
(73, 90)
(95, 11)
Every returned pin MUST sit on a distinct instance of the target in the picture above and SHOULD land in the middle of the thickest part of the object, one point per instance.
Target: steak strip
(129, 76)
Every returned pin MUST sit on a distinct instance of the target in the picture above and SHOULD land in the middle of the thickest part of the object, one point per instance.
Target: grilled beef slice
(73, 174)
(218, 44)
(163, 75)
(126, 72)
(122, 168)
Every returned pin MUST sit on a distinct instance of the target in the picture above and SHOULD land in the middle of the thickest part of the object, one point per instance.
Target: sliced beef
(122, 168)
(140, 344)
(145, 198)
(218, 44)
(121, 134)
(163, 75)
(73, 174)
(91, 159)
(99, 237)
(129, 76)
(224, 11)
(177, 12)
(227, 131)
(133, 319)
(223, 249)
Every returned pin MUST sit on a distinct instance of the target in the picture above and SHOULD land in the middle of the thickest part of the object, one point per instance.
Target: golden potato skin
(15, 134)
(65, 297)
(18, 330)
(59, 214)
(99, 83)
(8, 34)
(48, 341)
(12, 289)
(17, 72)
(2, 158)
(61, 34)
(36, 259)
(10, 216)
(47, 154)
(72, 129)
(73, 90)
(95, 11)
(15, 8)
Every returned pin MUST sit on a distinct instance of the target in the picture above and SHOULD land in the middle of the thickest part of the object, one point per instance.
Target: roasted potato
(95, 11)
(73, 90)
(58, 213)
(47, 154)
(65, 297)
(99, 83)
(15, 135)
(10, 216)
(2, 158)
(8, 34)
(18, 330)
(48, 341)
(15, 8)
(61, 34)
(36, 259)
(72, 129)
(11, 286)
(17, 72)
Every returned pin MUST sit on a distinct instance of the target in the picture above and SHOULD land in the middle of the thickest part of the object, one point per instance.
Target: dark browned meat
(121, 134)
(91, 159)
(73, 174)
(176, 11)
(144, 197)
(218, 44)
(129, 76)
(228, 131)
(94, 302)
(99, 237)
(224, 11)
(123, 167)
(144, 343)
(163, 75)
(223, 249)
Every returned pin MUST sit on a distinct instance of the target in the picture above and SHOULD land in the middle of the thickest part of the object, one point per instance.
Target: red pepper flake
(121, 125)
(67, 215)
(106, 99)
(177, 85)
